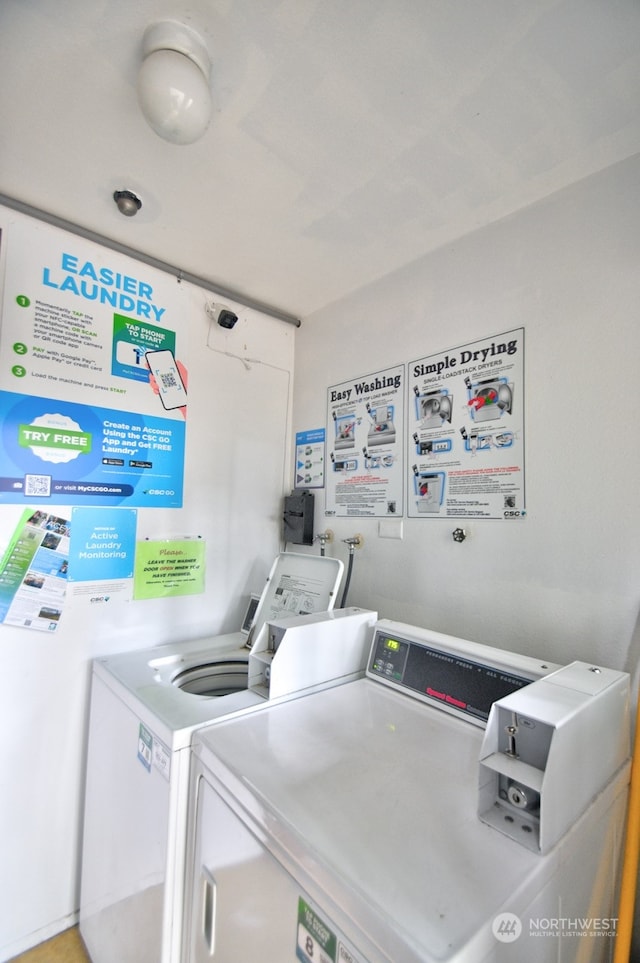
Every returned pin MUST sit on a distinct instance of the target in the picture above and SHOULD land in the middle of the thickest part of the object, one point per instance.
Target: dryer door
(244, 904)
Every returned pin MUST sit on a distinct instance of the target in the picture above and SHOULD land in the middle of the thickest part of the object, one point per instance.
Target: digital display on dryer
(389, 657)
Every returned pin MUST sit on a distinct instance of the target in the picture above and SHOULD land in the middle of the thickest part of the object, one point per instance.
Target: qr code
(168, 379)
(37, 486)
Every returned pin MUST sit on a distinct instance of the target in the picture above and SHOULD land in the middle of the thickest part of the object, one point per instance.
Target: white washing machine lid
(298, 585)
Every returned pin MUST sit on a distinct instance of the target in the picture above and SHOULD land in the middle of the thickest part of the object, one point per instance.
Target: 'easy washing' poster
(365, 436)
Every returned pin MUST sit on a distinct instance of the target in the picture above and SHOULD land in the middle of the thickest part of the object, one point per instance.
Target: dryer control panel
(459, 676)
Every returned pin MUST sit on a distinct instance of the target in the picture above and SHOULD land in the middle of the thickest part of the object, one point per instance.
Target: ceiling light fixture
(173, 83)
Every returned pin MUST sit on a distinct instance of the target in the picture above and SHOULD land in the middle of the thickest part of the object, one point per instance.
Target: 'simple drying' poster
(465, 426)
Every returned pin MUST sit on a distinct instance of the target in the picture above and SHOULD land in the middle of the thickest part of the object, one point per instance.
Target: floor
(65, 948)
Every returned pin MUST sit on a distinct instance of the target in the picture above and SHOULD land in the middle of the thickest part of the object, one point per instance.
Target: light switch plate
(390, 528)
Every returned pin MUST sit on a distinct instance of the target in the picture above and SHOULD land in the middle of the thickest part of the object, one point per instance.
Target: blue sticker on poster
(310, 458)
(71, 454)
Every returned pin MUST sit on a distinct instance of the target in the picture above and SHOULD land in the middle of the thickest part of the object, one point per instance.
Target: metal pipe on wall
(154, 262)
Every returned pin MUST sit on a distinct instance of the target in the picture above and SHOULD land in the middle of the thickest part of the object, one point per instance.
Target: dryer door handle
(209, 893)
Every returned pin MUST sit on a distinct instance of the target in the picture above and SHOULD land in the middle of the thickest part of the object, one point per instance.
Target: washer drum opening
(213, 679)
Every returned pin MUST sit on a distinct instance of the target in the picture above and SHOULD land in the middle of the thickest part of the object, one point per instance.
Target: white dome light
(173, 82)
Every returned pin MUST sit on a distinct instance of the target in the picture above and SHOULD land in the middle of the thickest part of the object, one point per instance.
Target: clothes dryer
(145, 707)
(345, 828)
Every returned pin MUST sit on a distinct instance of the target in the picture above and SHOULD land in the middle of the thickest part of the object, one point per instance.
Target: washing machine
(145, 707)
(353, 826)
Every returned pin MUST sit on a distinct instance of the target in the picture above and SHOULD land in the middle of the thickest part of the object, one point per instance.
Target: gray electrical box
(298, 518)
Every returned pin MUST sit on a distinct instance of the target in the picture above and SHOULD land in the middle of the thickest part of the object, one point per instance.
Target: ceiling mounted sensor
(173, 83)
(127, 202)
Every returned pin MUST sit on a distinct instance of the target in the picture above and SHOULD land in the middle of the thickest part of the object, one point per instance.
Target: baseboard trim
(14, 949)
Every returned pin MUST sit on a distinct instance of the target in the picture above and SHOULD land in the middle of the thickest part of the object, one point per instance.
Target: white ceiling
(349, 137)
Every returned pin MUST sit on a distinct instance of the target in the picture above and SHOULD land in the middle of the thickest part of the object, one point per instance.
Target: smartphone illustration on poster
(164, 369)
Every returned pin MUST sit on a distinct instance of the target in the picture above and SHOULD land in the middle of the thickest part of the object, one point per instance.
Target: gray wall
(564, 583)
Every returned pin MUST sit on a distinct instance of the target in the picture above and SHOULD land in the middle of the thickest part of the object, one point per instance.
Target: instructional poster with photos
(365, 440)
(93, 401)
(34, 571)
(465, 424)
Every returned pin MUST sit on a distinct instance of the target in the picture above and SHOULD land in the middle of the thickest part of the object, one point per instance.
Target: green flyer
(169, 567)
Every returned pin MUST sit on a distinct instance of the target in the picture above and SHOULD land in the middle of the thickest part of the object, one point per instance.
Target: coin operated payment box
(549, 749)
(297, 519)
(306, 651)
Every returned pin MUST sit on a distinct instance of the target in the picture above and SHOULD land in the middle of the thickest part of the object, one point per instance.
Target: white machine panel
(296, 654)
(455, 675)
(342, 827)
(550, 749)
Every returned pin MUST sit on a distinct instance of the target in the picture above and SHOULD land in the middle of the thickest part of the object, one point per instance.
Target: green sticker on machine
(316, 942)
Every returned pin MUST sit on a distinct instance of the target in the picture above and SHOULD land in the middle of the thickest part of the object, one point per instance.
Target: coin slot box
(549, 749)
(300, 652)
